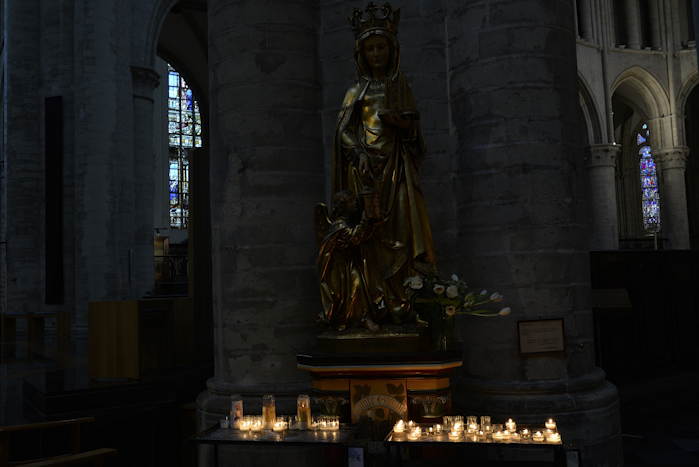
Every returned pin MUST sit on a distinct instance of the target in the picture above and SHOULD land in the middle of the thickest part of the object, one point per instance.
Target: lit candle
(269, 414)
(279, 425)
(438, 428)
(498, 436)
(511, 425)
(454, 435)
(399, 427)
(244, 424)
(538, 436)
(334, 423)
(525, 433)
(472, 428)
(414, 433)
(514, 436)
(550, 424)
(303, 411)
(411, 424)
(553, 438)
(458, 426)
(257, 424)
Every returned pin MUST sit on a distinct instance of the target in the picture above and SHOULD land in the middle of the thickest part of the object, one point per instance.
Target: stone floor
(660, 415)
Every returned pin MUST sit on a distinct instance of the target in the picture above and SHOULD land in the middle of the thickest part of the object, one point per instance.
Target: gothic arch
(589, 112)
(641, 89)
(157, 18)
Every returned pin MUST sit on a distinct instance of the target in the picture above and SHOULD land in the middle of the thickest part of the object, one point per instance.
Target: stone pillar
(601, 166)
(521, 224)
(672, 163)
(633, 23)
(22, 158)
(654, 12)
(586, 11)
(266, 174)
(144, 82)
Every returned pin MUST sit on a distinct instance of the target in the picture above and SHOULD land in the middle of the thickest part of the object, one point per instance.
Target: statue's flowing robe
(402, 241)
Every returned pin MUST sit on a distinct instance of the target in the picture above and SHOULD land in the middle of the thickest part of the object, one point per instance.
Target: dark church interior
(165, 264)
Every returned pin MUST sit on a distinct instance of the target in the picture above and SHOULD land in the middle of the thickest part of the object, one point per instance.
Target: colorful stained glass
(650, 196)
(184, 128)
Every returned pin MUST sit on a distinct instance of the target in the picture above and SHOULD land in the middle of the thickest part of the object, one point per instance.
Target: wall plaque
(541, 336)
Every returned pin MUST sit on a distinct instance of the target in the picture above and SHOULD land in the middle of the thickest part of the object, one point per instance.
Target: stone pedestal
(410, 386)
(601, 167)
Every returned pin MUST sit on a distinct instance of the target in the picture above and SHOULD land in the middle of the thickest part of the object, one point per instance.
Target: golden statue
(378, 149)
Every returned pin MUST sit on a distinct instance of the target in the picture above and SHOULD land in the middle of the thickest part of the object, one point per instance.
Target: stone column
(633, 23)
(144, 82)
(266, 175)
(601, 166)
(654, 13)
(672, 163)
(521, 223)
(586, 11)
(22, 160)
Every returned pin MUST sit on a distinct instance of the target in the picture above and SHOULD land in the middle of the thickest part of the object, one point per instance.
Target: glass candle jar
(399, 427)
(510, 425)
(269, 412)
(303, 411)
(550, 424)
(538, 436)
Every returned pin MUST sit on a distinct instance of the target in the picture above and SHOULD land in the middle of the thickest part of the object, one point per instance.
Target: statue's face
(376, 51)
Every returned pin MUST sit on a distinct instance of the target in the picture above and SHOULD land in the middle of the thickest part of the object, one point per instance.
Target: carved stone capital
(602, 155)
(144, 81)
(672, 158)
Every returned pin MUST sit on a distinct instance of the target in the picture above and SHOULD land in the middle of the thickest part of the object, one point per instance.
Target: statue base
(381, 386)
(390, 338)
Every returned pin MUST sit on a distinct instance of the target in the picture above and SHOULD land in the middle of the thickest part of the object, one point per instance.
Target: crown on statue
(375, 17)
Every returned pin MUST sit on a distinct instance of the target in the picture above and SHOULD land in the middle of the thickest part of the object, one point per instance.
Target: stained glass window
(184, 129)
(650, 196)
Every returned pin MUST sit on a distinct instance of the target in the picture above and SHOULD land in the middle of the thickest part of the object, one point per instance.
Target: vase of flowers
(437, 301)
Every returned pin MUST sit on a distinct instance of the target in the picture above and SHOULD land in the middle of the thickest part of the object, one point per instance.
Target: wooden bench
(73, 457)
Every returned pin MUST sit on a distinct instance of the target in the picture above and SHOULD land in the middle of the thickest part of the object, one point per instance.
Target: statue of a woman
(378, 149)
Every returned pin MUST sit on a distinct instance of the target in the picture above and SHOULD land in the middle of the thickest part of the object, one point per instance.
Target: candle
(538, 436)
(438, 428)
(257, 424)
(514, 436)
(511, 425)
(279, 424)
(485, 422)
(334, 423)
(224, 422)
(303, 411)
(553, 438)
(411, 424)
(244, 426)
(472, 428)
(458, 426)
(498, 436)
(399, 427)
(454, 435)
(550, 424)
(269, 414)
(414, 433)
(525, 434)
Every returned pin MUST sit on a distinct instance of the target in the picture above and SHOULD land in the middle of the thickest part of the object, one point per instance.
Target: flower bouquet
(438, 300)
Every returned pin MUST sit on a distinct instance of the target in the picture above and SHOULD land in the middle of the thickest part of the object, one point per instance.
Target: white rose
(452, 291)
(450, 310)
(505, 311)
(414, 282)
(496, 297)
(438, 289)
(454, 277)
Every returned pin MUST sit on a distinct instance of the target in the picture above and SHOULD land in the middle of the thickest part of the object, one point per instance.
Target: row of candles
(269, 420)
(457, 430)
